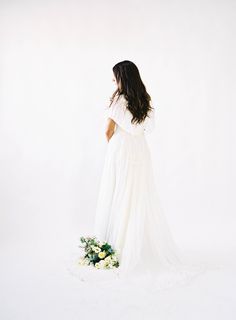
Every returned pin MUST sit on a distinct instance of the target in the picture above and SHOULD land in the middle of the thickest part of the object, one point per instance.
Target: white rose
(95, 248)
(108, 259)
(102, 263)
(102, 254)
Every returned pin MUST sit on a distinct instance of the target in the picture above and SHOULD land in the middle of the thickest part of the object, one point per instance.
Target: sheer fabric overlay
(129, 214)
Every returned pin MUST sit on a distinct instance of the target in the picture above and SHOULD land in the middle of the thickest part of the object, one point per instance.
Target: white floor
(34, 286)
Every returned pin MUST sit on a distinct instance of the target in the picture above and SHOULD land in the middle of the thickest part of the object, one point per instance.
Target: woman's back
(122, 116)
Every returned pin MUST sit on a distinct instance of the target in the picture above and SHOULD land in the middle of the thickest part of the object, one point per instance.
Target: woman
(128, 212)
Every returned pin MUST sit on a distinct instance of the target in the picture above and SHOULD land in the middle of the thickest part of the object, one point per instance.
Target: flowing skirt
(129, 216)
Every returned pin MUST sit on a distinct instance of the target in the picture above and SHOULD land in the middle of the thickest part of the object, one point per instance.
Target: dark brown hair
(131, 86)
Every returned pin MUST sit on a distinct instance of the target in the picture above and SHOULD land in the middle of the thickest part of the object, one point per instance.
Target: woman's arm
(110, 128)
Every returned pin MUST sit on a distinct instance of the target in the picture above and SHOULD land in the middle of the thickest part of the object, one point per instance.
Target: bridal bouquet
(100, 254)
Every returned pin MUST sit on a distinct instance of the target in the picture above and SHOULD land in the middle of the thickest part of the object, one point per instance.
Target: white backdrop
(56, 62)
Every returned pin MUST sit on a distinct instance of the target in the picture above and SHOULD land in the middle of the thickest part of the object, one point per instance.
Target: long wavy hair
(131, 86)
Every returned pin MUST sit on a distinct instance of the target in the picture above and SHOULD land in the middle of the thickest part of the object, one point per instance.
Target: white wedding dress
(129, 215)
